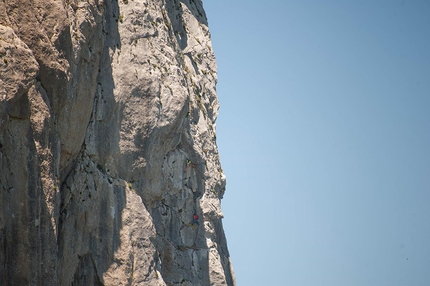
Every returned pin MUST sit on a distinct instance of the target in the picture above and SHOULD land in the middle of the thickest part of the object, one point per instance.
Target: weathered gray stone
(108, 145)
(18, 70)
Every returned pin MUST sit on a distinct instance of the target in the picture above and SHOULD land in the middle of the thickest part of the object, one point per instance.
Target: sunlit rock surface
(108, 145)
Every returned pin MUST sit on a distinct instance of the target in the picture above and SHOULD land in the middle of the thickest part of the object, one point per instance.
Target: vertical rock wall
(108, 145)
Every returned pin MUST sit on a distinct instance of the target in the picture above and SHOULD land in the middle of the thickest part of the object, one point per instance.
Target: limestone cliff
(108, 145)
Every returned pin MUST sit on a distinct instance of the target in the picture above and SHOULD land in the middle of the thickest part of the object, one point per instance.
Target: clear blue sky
(324, 136)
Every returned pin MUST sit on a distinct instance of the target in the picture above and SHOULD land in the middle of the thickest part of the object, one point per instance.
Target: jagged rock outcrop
(108, 145)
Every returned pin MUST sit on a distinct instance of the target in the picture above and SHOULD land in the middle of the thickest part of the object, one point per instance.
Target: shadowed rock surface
(108, 145)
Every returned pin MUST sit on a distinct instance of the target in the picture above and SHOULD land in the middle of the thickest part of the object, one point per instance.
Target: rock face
(108, 145)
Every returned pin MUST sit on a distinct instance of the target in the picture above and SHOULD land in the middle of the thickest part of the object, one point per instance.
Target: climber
(195, 219)
(189, 164)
